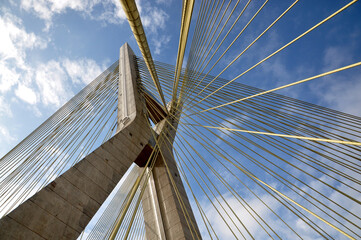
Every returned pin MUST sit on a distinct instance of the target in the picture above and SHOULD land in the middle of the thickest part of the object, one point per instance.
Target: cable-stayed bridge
(181, 153)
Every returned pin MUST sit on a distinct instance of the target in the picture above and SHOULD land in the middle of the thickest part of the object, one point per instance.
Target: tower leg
(166, 189)
(64, 207)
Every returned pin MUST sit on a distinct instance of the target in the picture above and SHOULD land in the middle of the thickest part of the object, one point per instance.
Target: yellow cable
(282, 135)
(282, 87)
(131, 11)
(274, 53)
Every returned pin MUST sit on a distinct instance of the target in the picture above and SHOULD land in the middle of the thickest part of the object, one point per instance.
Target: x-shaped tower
(64, 207)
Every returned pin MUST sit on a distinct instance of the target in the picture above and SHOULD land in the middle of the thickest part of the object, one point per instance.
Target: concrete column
(173, 222)
(64, 207)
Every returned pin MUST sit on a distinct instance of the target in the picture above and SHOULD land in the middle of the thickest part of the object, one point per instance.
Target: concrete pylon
(63, 208)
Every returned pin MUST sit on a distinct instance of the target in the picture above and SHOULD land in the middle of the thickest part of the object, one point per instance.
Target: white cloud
(154, 18)
(15, 40)
(336, 57)
(36, 111)
(160, 43)
(8, 77)
(55, 79)
(46, 9)
(48, 83)
(278, 70)
(6, 139)
(6, 135)
(167, 2)
(4, 107)
(113, 12)
(220, 226)
(107, 11)
(340, 91)
(45, 82)
(230, 123)
(50, 79)
(82, 71)
(273, 221)
(154, 21)
(26, 94)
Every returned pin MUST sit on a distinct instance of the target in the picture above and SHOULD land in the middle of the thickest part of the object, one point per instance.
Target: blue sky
(73, 41)
(51, 49)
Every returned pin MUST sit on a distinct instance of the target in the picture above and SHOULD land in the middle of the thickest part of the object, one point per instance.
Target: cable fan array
(267, 165)
(101, 228)
(76, 129)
